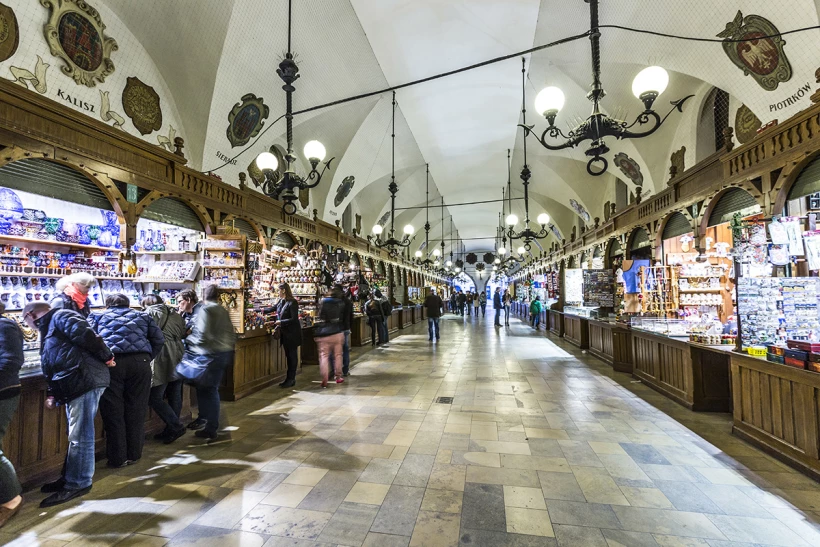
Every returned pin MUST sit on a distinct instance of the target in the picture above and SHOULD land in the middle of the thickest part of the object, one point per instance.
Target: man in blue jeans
(434, 307)
(75, 364)
(497, 306)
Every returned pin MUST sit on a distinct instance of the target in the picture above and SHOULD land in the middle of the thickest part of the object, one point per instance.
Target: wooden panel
(779, 410)
(259, 362)
(576, 331)
(556, 319)
(665, 365)
(600, 341)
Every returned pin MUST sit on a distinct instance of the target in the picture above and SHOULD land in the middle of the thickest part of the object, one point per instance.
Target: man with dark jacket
(497, 306)
(461, 299)
(434, 307)
(387, 311)
(11, 360)
(75, 364)
(136, 340)
(373, 309)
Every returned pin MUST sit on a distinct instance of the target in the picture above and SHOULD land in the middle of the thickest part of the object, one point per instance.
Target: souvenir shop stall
(576, 313)
(776, 373)
(55, 221)
(687, 326)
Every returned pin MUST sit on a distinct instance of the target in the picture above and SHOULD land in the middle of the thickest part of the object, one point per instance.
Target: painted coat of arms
(75, 34)
(9, 32)
(746, 124)
(578, 208)
(760, 54)
(246, 119)
(384, 219)
(344, 190)
(629, 167)
(141, 104)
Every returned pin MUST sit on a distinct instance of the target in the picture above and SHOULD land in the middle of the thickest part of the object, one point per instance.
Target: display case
(661, 325)
(573, 286)
(587, 312)
(599, 288)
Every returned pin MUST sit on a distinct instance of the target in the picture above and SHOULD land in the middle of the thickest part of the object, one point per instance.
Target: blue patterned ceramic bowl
(11, 208)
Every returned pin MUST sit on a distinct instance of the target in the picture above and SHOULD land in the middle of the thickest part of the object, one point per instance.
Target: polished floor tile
(542, 446)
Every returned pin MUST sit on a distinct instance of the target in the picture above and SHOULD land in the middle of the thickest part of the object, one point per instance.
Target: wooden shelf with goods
(53, 243)
(236, 304)
(662, 300)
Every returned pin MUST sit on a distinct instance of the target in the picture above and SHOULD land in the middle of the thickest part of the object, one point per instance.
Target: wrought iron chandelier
(284, 185)
(427, 263)
(647, 86)
(392, 244)
(527, 233)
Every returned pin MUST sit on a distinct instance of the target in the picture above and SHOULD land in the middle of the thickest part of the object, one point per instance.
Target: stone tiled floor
(543, 445)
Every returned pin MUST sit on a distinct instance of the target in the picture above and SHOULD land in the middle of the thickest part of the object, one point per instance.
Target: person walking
(347, 323)
(462, 301)
(470, 298)
(387, 311)
(329, 336)
(434, 307)
(290, 331)
(535, 312)
(135, 340)
(72, 293)
(373, 309)
(482, 300)
(188, 305)
(164, 381)
(497, 306)
(212, 341)
(507, 301)
(75, 363)
(453, 304)
(11, 360)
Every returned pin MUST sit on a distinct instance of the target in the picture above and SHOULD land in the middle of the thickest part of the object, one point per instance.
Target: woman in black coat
(11, 360)
(290, 328)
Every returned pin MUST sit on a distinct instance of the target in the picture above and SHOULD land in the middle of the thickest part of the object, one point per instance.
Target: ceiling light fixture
(426, 263)
(392, 244)
(527, 233)
(284, 185)
(647, 86)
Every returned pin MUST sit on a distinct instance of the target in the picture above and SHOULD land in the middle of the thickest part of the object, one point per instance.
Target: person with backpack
(329, 336)
(482, 301)
(469, 301)
(535, 312)
(75, 364)
(373, 309)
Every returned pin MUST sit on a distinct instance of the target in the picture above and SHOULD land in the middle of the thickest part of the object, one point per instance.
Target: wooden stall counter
(406, 315)
(394, 321)
(693, 375)
(309, 355)
(611, 342)
(359, 331)
(259, 362)
(36, 440)
(576, 330)
(556, 322)
(776, 408)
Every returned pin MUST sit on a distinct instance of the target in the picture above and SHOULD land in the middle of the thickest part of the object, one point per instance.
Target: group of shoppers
(469, 302)
(120, 361)
(378, 310)
(502, 302)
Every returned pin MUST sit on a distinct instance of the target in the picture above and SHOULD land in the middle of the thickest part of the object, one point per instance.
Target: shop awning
(53, 180)
(677, 225)
(174, 212)
(807, 183)
(735, 200)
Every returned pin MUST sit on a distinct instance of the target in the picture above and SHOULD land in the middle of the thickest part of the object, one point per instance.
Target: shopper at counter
(164, 381)
(11, 360)
(75, 363)
(73, 293)
(290, 331)
(535, 312)
(212, 339)
(373, 309)
(434, 307)
(136, 340)
(188, 305)
(329, 336)
(387, 310)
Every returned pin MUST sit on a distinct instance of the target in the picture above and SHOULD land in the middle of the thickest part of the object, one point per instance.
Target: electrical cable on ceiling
(506, 58)
(453, 204)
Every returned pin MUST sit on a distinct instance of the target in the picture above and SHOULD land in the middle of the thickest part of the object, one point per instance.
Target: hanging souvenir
(684, 242)
(777, 231)
(793, 229)
(812, 242)
(779, 254)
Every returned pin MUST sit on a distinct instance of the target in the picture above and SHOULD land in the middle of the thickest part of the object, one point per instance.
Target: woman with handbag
(289, 328)
(329, 336)
(210, 351)
(164, 381)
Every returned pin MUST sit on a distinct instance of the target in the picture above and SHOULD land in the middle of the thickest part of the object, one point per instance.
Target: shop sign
(82, 105)
(804, 91)
(131, 193)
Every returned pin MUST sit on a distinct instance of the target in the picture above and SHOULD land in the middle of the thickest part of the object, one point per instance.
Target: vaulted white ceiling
(212, 52)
